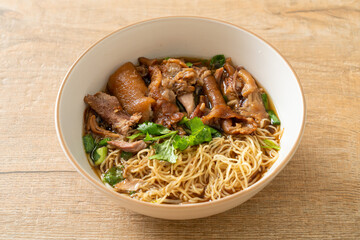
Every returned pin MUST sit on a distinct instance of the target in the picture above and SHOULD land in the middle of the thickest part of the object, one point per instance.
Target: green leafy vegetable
(126, 155)
(132, 192)
(189, 64)
(270, 144)
(103, 142)
(89, 143)
(265, 100)
(274, 119)
(203, 135)
(199, 133)
(195, 125)
(225, 98)
(217, 61)
(150, 138)
(184, 120)
(153, 128)
(181, 143)
(135, 135)
(165, 151)
(113, 176)
(197, 130)
(167, 58)
(100, 155)
(214, 132)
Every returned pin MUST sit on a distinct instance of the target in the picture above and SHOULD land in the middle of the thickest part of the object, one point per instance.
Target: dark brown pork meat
(243, 94)
(109, 109)
(253, 105)
(170, 80)
(132, 147)
(129, 88)
(166, 113)
(231, 122)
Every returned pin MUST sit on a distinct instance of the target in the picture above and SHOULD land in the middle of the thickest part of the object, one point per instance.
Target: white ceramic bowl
(179, 36)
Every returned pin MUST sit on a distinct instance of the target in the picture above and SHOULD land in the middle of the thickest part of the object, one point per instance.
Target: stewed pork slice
(230, 121)
(243, 94)
(201, 108)
(181, 81)
(252, 105)
(109, 109)
(171, 79)
(177, 80)
(132, 147)
(127, 185)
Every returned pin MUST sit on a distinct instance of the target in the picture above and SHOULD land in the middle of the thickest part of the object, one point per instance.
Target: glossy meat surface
(108, 107)
(128, 86)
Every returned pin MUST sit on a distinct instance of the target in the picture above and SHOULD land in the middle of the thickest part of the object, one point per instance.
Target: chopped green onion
(100, 155)
(274, 119)
(265, 100)
(189, 64)
(167, 58)
(270, 144)
(225, 98)
(89, 143)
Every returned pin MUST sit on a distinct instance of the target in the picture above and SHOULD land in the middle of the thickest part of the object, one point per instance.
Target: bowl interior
(193, 37)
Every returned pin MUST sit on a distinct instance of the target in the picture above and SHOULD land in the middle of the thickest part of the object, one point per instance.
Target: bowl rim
(258, 185)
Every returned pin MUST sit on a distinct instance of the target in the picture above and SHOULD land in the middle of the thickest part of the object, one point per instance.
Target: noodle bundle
(207, 172)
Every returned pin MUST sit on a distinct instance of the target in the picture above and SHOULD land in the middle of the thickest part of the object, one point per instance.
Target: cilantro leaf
(113, 176)
(184, 120)
(189, 64)
(151, 138)
(217, 61)
(199, 133)
(153, 128)
(165, 151)
(181, 143)
(203, 135)
(195, 125)
(103, 142)
(214, 133)
(126, 155)
(135, 135)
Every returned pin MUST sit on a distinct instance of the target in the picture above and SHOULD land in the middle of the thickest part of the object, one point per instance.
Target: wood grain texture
(43, 197)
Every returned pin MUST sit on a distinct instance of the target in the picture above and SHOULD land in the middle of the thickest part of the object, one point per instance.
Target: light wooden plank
(43, 197)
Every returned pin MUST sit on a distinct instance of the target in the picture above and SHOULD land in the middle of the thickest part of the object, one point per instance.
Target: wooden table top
(42, 196)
